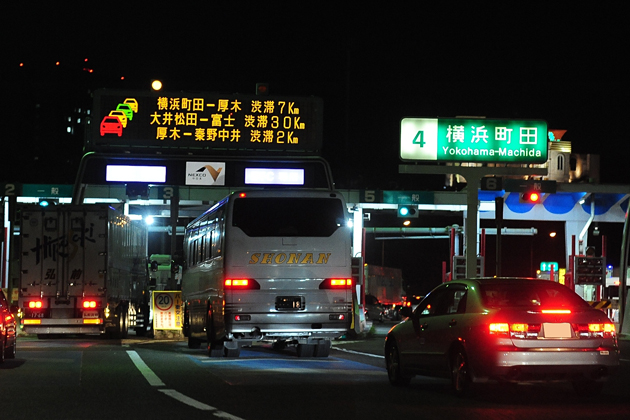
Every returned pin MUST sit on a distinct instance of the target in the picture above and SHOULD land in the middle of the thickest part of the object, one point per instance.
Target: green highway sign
(473, 140)
(46, 190)
(408, 197)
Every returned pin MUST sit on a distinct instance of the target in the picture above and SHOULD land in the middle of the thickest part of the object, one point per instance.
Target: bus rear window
(284, 216)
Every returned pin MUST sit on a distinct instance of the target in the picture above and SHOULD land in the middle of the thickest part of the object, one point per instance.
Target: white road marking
(378, 356)
(154, 380)
(186, 400)
(146, 371)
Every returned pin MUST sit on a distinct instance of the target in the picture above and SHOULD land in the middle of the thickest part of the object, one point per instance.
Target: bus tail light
(241, 284)
(335, 283)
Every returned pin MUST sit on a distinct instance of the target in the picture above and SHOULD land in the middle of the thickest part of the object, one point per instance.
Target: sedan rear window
(532, 294)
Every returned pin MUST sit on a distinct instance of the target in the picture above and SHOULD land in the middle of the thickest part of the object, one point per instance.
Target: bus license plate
(289, 303)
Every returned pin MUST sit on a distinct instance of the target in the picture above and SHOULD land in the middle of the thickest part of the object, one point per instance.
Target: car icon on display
(132, 103)
(111, 124)
(121, 116)
(126, 108)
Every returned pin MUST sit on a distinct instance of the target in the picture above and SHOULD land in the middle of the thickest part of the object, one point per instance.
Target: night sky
(565, 63)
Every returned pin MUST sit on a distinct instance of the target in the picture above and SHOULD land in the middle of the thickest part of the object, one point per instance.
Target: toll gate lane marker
(154, 380)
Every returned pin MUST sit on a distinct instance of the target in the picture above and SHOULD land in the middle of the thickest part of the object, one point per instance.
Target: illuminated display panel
(199, 170)
(135, 173)
(473, 140)
(204, 122)
(274, 176)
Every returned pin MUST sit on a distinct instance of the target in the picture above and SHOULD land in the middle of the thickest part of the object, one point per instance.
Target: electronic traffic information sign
(127, 121)
(473, 140)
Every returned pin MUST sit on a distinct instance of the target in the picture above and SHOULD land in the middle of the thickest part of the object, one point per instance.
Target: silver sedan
(503, 329)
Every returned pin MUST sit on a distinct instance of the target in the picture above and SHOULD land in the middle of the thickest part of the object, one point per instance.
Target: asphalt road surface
(93, 378)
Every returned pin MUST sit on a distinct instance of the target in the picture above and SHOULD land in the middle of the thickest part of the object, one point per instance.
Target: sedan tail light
(595, 330)
(516, 330)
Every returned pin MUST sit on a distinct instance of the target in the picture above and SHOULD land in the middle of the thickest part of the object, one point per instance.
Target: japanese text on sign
(206, 121)
(473, 140)
(268, 121)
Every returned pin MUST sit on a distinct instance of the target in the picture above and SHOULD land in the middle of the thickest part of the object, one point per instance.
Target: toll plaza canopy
(204, 123)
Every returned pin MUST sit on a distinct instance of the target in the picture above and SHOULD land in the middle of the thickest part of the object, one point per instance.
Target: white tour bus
(269, 266)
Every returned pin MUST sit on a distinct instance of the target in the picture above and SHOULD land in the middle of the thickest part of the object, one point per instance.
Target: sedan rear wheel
(394, 372)
(460, 378)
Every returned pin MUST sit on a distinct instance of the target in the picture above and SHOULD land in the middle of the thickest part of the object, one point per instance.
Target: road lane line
(146, 371)
(187, 400)
(154, 380)
(378, 356)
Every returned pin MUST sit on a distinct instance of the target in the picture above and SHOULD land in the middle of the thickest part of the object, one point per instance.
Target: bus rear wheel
(215, 347)
(306, 350)
(322, 348)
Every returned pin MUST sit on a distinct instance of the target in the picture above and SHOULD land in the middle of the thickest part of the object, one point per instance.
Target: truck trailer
(83, 270)
(385, 283)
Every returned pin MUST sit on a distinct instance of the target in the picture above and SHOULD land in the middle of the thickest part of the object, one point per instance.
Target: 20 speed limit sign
(163, 301)
(167, 310)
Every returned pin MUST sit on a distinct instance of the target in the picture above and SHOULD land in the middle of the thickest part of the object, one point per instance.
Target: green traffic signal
(407, 211)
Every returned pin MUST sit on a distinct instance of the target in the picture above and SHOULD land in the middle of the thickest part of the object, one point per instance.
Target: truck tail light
(241, 284)
(336, 283)
(35, 304)
(89, 304)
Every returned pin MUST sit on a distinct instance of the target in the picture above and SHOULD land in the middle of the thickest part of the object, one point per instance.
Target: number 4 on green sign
(419, 139)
